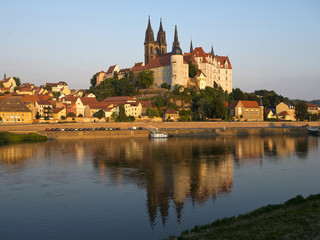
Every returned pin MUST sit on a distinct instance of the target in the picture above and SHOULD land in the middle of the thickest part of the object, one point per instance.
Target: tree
(93, 80)
(99, 114)
(145, 79)
(301, 110)
(17, 80)
(71, 114)
(80, 115)
(0, 119)
(237, 94)
(193, 69)
(48, 87)
(63, 117)
(38, 115)
(165, 85)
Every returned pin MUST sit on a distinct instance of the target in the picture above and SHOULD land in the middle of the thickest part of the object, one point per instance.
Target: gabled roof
(57, 110)
(246, 104)
(88, 100)
(111, 69)
(146, 104)
(171, 111)
(250, 104)
(44, 102)
(30, 98)
(283, 113)
(13, 104)
(160, 61)
(222, 60)
(310, 106)
(138, 67)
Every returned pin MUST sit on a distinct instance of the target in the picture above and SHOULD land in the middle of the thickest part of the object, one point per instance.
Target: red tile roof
(283, 113)
(44, 102)
(246, 104)
(57, 110)
(160, 61)
(88, 100)
(171, 111)
(222, 60)
(250, 104)
(138, 67)
(30, 98)
(111, 69)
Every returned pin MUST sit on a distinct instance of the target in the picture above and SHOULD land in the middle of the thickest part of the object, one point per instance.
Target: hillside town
(167, 86)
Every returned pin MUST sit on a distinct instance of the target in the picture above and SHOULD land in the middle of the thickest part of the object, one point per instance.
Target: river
(146, 189)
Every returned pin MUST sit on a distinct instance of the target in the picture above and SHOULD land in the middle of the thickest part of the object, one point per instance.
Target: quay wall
(161, 125)
(173, 133)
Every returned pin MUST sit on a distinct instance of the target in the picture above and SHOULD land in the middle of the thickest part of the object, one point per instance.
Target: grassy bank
(298, 218)
(7, 137)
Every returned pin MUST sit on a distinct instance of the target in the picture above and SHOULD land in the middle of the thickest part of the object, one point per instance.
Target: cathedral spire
(191, 47)
(149, 33)
(212, 52)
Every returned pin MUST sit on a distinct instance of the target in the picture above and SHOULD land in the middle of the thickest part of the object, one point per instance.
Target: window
(239, 110)
(247, 112)
(257, 112)
(251, 112)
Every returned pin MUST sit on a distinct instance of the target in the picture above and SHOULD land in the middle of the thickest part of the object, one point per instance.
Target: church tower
(152, 48)
(149, 44)
(161, 47)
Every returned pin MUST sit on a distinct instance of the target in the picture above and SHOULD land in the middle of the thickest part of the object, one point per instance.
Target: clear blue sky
(272, 45)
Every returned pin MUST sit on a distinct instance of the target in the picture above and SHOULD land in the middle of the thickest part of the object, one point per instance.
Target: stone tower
(161, 47)
(153, 48)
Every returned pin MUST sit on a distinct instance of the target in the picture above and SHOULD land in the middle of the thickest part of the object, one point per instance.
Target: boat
(314, 131)
(158, 134)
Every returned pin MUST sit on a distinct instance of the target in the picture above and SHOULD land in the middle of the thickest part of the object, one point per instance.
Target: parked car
(47, 129)
(52, 129)
(117, 128)
(57, 129)
(140, 128)
(133, 128)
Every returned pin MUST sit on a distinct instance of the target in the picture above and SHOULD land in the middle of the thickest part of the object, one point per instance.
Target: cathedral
(172, 68)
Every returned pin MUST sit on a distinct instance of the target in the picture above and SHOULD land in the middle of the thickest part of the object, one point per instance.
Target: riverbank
(7, 137)
(160, 125)
(298, 218)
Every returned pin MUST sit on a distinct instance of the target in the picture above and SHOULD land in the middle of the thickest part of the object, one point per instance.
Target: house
(112, 69)
(44, 108)
(269, 114)
(81, 105)
(7, 84)
(13, 110)
(171, 115)
(286, 111)
(313, 108)
(131, 106)
(201, 80)
(30, 101)
(92, 108)
(57, 113)
(246, 111)
(61, 87)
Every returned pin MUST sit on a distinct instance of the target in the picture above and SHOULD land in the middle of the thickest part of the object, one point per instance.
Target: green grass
(297, 218)
(7, 137)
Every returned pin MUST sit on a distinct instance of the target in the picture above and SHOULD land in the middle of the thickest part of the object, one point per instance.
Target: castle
(172, 67)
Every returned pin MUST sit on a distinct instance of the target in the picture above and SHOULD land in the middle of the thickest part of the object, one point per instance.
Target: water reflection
(170, 171)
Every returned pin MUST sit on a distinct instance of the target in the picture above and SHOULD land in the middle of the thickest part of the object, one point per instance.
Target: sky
(272, 45)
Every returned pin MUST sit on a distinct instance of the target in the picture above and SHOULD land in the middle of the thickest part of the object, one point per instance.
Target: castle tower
(179, 69)
(149, 44)
(161, 47)
(212, 52)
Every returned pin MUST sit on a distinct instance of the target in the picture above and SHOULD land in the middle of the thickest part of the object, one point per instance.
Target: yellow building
(285, 111)
(13, 110)
(57, 113)
(246, 111)
(7, 84)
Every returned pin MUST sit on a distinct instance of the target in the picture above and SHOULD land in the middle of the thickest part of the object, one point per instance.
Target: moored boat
(157, 134)
(314, 131)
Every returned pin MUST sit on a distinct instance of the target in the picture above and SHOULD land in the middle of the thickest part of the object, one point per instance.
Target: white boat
(157, 134)
(314, 131)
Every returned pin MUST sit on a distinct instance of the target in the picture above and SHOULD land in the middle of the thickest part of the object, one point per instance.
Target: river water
(146, 189)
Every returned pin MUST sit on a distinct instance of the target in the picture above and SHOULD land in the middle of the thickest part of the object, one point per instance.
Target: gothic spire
(212, 52)
(176, 50)
(191, 47)
(149, 33)
(161, 37)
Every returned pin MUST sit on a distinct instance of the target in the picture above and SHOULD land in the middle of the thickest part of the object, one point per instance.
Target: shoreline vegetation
(297, 218)
(8, 137)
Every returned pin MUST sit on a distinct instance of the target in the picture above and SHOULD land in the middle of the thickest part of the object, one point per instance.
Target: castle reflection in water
(171, 171)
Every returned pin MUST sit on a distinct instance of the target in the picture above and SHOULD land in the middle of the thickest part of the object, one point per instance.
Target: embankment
(188, 129)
